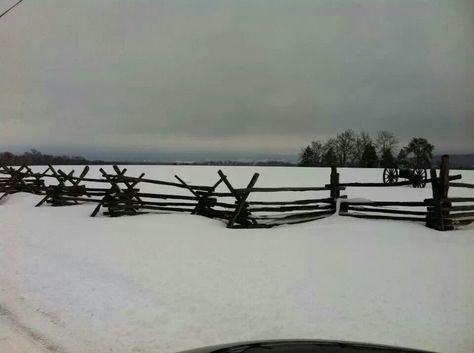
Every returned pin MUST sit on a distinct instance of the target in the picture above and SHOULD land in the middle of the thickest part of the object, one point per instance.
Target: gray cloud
(234, 76)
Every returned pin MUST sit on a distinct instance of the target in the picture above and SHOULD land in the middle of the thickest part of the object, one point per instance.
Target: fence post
(438, 213)
(334, 180)
(205, 202)
(444, 188)
(444, 176)
(241, 205)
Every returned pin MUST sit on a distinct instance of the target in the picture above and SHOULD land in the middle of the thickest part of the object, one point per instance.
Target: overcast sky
(232, 79)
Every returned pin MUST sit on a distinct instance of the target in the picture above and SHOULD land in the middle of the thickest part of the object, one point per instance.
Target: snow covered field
(163, 283)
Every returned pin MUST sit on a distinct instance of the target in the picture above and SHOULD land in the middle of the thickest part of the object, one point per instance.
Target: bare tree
(345, 146)
(385, 141)
(329, 156)
(361, 143)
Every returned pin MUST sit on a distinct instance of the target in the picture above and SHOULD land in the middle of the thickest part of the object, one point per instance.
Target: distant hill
(461, 161)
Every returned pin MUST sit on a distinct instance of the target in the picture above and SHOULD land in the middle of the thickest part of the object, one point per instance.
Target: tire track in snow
(38, 339)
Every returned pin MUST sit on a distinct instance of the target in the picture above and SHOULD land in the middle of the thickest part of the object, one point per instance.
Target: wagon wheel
(390, 175)
(419, 178)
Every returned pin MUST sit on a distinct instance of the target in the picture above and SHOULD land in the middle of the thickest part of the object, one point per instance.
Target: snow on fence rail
(384, 210)
(120, 195)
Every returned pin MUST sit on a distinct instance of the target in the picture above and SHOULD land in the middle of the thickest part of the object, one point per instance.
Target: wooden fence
(119, 194)
(437, 212)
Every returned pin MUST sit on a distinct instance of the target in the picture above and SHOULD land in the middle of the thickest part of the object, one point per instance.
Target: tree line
(35, 157)
(350, 149)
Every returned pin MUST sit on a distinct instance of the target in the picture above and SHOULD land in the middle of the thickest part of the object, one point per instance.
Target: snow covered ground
(163, 283)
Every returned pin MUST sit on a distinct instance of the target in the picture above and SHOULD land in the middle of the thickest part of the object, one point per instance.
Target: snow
(164, 283)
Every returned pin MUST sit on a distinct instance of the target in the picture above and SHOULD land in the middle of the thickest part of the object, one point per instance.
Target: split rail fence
(118, 194)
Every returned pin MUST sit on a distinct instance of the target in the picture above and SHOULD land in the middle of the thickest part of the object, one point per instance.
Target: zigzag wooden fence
(437, 212)
(120, 194)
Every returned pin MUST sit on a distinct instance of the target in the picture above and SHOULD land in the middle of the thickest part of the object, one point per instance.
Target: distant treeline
(328, 155)
(272, 163)
(35, 157)
(350, 149)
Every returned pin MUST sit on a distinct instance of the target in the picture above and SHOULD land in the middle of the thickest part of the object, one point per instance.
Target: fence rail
(121, 195)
